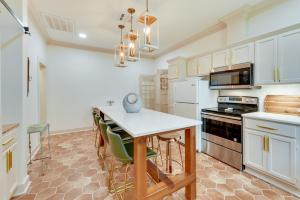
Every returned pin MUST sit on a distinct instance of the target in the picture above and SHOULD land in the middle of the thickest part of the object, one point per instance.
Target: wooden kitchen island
(149, 123)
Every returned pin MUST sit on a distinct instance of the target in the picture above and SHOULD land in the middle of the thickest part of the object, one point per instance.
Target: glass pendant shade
(132, 41)
(121, 51)
(150, 28)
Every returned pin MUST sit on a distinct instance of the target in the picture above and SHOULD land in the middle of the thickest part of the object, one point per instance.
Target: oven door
(223, 131)
(236, 78)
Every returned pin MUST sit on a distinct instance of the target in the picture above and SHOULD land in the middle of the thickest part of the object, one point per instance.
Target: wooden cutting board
(282, 104)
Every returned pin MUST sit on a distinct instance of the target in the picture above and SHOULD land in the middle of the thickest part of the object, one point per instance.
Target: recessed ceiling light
(82, 35)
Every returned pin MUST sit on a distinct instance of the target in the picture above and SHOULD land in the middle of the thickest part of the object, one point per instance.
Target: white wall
(79, 79)
(36, 50)
(281, 14)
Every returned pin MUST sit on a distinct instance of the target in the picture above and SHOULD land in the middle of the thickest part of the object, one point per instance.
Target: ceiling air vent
(57, 23)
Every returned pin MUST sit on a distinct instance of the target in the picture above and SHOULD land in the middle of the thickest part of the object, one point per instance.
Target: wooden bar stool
(170, 138)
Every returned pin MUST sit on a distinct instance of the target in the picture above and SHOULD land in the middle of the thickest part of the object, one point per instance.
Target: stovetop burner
(234, 106)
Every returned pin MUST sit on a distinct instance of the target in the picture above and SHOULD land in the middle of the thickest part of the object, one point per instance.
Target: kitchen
(239, 77)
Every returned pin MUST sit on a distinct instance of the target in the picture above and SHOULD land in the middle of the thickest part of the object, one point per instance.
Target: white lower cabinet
(8, 166)
(281, 158)
(272, 150)
(253, 147)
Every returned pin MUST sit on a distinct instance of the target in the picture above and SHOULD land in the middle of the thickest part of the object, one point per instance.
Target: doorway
(42, 94)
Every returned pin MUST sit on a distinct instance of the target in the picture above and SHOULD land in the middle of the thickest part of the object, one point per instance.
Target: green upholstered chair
(124, 153)
(103, 131)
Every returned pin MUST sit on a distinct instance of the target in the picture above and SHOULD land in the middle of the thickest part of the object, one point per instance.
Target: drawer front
(271, 127)
(8, 140)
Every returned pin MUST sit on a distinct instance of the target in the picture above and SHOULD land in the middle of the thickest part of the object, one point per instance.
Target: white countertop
(146, 122)
(289, 119)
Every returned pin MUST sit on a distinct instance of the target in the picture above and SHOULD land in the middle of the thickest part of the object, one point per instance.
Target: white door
(192, 67)
(186, 91)
(282, 158)
(254, 154)
(266, 61)
(173, 71)
(204, 65)
(289, 57)
(242, 54)
(221, 58)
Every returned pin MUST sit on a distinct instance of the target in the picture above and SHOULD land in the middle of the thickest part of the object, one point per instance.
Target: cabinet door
(242, 54)
(221, 58)
(173, 71)
(266, 61)
(281, 158)
(192, 67)
(204, 65)
(289, 57)
(4, 174)
(254, 154)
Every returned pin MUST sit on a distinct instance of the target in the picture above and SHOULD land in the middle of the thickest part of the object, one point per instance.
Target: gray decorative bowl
(132, 103)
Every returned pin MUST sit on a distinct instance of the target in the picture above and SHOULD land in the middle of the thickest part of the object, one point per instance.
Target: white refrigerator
(190, 96)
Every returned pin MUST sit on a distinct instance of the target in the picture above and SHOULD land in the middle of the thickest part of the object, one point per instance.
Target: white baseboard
(71, 130)
(23, 187)
(273, 181)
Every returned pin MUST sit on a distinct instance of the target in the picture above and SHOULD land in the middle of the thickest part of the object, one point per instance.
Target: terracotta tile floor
(75, 173)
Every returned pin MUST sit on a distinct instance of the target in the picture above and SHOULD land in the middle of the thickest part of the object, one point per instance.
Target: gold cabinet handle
(264, 143)
(268, 128)
(7, 142)
(267, 144)
(10, 160)
(278, 73)
(7, 162)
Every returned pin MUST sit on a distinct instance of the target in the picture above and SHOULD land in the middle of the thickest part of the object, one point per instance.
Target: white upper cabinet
(266, 61)
(277, 59)
(177, 68)
(242, 54)
(200, 66)
(221, 58)
(192, 67)
(289, 57)
(173, 71)
(204, 65)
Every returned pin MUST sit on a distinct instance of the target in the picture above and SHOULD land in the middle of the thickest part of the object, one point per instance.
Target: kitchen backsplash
(291, 89)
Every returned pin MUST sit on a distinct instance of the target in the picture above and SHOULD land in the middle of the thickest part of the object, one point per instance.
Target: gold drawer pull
(7, 142)
(265, 127)
(7, 162)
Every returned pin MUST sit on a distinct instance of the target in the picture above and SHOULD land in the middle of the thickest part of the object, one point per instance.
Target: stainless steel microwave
(236, 77)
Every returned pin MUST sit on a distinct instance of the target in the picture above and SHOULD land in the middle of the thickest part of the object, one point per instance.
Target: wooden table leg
(190, 161)
(140, 168)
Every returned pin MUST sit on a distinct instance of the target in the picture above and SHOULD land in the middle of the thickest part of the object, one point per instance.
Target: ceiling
(179, 19)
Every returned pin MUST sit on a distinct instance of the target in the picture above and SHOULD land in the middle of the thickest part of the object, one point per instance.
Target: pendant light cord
(131, 23)
(121, 36)
(147, 6)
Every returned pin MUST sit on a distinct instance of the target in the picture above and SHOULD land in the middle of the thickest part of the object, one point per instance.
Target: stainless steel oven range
(222, 128)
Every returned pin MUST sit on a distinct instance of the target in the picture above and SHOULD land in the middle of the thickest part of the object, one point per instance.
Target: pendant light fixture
(150, 36)
(133, 40)
(120, 51)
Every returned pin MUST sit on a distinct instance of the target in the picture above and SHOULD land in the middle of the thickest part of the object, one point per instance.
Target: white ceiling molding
(89, 48)
(212, 29)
